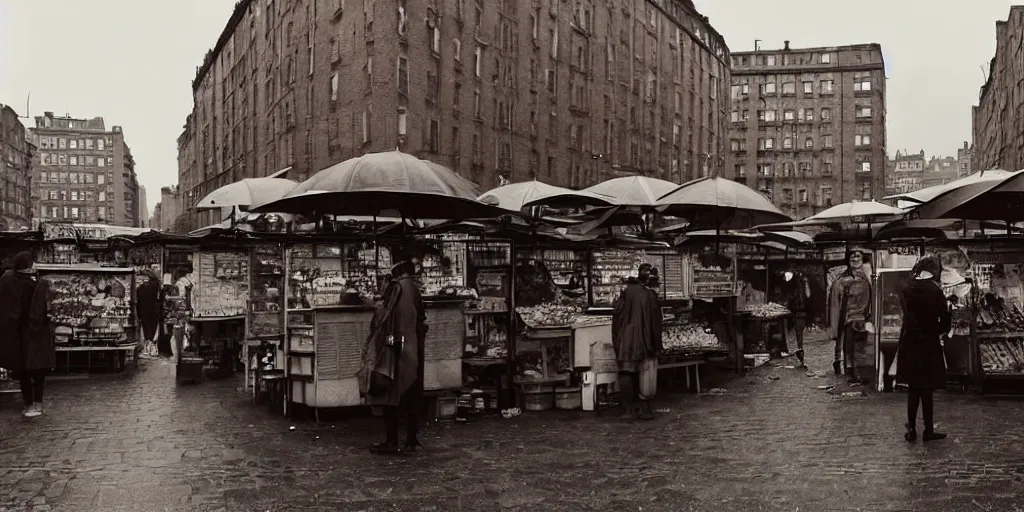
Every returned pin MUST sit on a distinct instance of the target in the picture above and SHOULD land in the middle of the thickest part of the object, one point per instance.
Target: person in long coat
(148, 307)
(17, 288)
(849, 314)
(633, 336)
(39, 352)
(920, 363)
(392, 375)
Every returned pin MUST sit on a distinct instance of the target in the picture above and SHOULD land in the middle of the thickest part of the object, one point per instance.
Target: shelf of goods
(690, 338)
(550, 275)
(711, 275)
(221, 286)
(1000, 334)
(487, 317)
(264, 319)
(90, 305)
(610, 268)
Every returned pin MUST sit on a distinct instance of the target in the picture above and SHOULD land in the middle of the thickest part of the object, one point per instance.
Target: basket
(538, 400)
(568, 399)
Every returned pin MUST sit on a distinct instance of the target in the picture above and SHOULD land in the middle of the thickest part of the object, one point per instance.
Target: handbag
(648, 379)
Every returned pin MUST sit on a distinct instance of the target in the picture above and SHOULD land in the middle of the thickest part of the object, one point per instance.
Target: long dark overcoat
(38, 346)
(16, 290)
(919, 360)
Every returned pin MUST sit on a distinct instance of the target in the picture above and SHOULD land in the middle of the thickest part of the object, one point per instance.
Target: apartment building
(906, 173)
(84, 172)
(965, 160)
(15, 172)
(807, 126)
(567, 92)
(998, 119)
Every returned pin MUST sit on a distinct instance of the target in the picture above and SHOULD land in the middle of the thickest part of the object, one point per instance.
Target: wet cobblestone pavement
(140, 443)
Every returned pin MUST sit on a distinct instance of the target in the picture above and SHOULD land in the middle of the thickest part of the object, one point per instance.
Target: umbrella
(993, 200)
(723, 203)
(857, 210)
(634, 190)
(517, 196)
(376, 182)
(976, 182)
(245, 193)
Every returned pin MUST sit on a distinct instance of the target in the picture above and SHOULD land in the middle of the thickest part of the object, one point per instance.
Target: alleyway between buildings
(772, 441)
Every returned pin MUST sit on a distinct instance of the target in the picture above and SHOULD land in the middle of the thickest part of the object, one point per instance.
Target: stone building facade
(998, 119)
(807, 126)
(84, 172)
(567, 92)
(16, 152)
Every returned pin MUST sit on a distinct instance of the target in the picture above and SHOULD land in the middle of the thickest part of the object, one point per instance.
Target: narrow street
(141, 444)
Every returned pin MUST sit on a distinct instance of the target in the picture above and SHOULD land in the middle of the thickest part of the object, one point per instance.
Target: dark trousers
(32, 386)
(629, 389)
(408, 409)
(926, 399)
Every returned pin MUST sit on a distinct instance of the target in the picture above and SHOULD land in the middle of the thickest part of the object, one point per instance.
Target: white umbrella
(634, 190)
(517, 196)
(857, 210)
(247, 192)
(722, 203)
(976, 182)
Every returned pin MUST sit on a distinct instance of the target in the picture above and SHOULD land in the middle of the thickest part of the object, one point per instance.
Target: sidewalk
(142, 444)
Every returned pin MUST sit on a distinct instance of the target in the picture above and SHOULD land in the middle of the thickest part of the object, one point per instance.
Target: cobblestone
(140, 443)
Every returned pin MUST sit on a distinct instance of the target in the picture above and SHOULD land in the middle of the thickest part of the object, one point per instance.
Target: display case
(264, 317)
(221, 284)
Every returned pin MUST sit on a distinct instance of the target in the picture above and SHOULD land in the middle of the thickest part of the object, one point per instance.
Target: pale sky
(132, 61)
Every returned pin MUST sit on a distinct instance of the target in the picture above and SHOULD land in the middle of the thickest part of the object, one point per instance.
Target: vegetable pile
(549, 314)
(769, 310)
(689, 336)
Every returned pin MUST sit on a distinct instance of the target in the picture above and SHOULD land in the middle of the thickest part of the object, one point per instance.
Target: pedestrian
(849, 314)
(392, 374)
(633, 336)
(17, 289)
(798, 292)
(651, 363)
(39, 353)
(148, 309)
(920, 362)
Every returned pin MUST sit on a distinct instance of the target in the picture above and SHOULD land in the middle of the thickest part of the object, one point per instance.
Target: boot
(931, 435)
(837, 368)
(627, 396)
(800, 357)
(646, 410)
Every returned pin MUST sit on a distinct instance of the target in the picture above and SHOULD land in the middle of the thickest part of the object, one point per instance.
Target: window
(99, 144)
(403, 74)
(767, 143)
(865, 191)
(826, 166)
(42, 177)
(477, 58)
(805, 169)
(827, 86)
(366, 126)
(809, 143)
(457, 49)
(476, 104)
(787, 169)
(73, 144)
(741, 170)
(864, 166)
(551, 80)
(101, 162)
(826, 58)
(770, 60)
(740, 90)
(826, 114)
(826, 196)
(766, 115)
(787, 142)
(863, 111)
(808, 115)
(88, 143)
(52, 195)
(862, 82)
(808, 87)
(334, 87)
(738, 144)
(765, 170)
(861, 140)
(788, 115)
(434, 139)
(103, 196)
(403, 123)
(802, 195)
(74, 195)
(768, 88)
(101, 212)
(435, 38)
(734, 116)
(826, 141)
(789, 88)
(74, 159)
(554, 42)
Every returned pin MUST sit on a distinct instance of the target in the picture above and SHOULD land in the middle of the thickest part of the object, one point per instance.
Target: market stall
(91, 309)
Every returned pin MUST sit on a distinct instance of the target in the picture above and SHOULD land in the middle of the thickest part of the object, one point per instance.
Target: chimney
(965, 144)
(787, 45)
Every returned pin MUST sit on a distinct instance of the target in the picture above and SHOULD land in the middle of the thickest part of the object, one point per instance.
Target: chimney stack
(787, 45)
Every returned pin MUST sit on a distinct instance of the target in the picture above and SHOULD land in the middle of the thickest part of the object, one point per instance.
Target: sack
(648, 379)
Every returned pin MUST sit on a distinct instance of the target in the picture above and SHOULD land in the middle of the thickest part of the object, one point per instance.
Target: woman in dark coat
(633, 336)
(920, 363)
(392, 374)
(147, 306)
(39, 353)
(17, 288)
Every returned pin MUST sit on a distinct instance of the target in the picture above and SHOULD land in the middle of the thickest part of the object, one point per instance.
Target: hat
(23, 260)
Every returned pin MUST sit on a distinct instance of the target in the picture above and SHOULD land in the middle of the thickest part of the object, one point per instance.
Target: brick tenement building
(568, 92)
(85, 172)
(807, 126)
(998, 119)
(15, 172)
